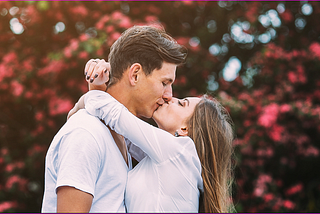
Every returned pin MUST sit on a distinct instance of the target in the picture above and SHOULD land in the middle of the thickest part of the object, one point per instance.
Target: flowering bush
(278, 132)
(274, 101)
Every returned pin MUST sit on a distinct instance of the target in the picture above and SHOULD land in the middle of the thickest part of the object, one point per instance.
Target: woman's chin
(154, 117)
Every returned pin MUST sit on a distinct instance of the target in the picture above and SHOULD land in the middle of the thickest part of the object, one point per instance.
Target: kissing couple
(184, 163)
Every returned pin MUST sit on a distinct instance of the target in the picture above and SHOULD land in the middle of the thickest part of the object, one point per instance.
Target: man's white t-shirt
(83, 155)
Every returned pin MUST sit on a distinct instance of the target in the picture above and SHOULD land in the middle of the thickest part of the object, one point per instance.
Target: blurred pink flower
(11, 166)
(17, 88)
(74, 44)
(28, 64)
(110, 28)
(247, 123)
(115, 36)
(83, 55)
(264, 178)
(4, 151)
(99, 52)
(315, 49)
(251, 13)
(183, 40)
(59, 106)
(7, 205)
(287, 16)
(285, 108)
(288, 204)
(258, 191)
(294, 189)
(269, 115)
(10, 57)
(311, 151)
(28, 94)
(5, 71)
(16, 179)
(67, 52)
(79, 10)
(268, 152)
(100, 24)
(151, 18)
(182, 80)
(292, 77)
(117, 15)
(302, 139)
(187, 2)
(276, 132)
(36, 149)
(125, 22)
(83, 37)
(37, 131)
(268, 197)
(53, 66)
(154, 10)
(39, 116)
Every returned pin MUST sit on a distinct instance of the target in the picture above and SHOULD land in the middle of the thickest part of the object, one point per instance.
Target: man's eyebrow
(169, 80)
(187, 101)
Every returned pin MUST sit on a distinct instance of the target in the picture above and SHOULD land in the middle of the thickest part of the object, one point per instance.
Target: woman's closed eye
(180, 103)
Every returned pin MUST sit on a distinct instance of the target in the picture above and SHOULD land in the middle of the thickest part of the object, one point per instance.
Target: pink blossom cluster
(6, 205)
(269, 116)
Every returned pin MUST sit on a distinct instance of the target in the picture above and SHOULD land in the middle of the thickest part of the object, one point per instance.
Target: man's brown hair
(147, 45)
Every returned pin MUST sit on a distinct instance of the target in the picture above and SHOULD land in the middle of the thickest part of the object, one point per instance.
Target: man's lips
(160, 105)
(157, 107)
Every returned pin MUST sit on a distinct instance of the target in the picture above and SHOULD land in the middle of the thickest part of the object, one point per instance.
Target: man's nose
(167, 95)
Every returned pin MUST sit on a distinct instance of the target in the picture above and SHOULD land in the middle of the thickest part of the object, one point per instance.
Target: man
(87, 164)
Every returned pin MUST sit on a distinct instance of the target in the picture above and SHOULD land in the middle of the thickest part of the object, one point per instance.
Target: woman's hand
(97, 73)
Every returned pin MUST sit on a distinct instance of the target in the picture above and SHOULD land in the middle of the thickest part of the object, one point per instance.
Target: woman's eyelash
(180, 103)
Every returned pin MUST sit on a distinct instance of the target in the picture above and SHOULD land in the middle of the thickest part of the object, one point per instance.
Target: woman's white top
(169, 178)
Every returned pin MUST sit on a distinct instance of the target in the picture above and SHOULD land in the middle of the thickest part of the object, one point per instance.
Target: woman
(187, 156)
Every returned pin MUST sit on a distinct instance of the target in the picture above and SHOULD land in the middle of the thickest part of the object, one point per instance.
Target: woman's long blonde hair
(210, 127)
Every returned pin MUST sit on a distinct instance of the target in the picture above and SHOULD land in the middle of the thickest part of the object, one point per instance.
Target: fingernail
(88, 77)
(91, 80)
(96, 75)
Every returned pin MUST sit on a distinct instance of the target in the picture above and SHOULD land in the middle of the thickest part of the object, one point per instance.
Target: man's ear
(134, 72)
(183, 131)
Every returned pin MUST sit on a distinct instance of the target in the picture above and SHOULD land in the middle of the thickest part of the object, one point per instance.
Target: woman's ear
(134, 72)
(183, 131)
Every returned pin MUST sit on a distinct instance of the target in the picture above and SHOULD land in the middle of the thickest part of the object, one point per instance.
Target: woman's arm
(158, 144)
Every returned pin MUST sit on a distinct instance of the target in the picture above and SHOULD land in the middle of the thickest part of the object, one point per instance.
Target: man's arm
(77, 165)
(70, 199)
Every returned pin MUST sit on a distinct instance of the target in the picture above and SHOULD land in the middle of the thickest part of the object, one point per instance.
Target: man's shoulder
(89, 124)
(83, 119)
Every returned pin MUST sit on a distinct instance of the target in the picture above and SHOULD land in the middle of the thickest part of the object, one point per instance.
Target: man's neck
(120, 92)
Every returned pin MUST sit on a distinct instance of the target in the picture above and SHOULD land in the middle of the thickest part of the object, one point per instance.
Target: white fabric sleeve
(78, 161)
(158, 144)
